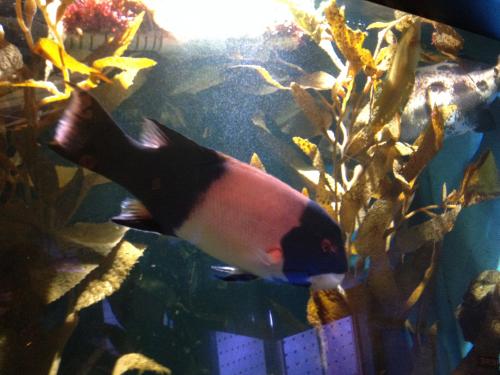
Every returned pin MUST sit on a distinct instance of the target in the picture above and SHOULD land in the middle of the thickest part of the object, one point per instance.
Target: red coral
(285, 35)
(103, 16)
(285, 29)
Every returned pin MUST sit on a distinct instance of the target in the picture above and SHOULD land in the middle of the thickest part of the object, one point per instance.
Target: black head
(316, 247)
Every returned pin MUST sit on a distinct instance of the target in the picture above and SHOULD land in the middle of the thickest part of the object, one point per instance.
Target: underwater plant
(45, 255)
(362, 173)
(366, 177)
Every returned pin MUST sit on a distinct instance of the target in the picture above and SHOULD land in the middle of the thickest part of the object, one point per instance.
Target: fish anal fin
(239, 277)
(135, 215)
(153, 136)
(228, 273)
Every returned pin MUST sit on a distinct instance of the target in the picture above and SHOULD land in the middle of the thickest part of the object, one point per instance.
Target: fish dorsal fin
(135, 215)
(181, 151)
(153, 134)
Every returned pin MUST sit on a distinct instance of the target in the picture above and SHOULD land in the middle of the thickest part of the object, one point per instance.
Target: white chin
(326, 281)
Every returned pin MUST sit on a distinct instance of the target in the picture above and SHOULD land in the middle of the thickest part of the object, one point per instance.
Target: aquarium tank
(285, 187)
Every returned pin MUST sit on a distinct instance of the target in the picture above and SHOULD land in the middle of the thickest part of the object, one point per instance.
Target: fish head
(314, 252)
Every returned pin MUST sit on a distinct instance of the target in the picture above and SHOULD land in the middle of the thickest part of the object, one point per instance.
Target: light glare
(217, 19)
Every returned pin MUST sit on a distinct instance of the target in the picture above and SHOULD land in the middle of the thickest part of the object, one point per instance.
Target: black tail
(87, 135)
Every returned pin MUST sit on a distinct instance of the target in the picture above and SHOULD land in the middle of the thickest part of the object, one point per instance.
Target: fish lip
(326, 281)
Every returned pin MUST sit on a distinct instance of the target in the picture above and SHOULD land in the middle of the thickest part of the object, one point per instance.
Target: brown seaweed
(374, 175)
(363, 176)
(137, 361)
(45, 255)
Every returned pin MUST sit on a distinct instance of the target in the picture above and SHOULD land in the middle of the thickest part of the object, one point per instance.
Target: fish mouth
(326, 281)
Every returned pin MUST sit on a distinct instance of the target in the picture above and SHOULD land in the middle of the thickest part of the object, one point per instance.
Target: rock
(479, 317)
(479, 299)
(11, 60)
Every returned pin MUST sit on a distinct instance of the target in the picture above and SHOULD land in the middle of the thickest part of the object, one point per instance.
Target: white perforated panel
(340, 350)
(302, 354)
(333, 352)
(240, 355)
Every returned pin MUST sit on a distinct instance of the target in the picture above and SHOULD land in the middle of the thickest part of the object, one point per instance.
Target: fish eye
(327, 246)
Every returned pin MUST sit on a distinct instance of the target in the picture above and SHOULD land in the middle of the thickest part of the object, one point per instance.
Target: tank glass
(314, 189)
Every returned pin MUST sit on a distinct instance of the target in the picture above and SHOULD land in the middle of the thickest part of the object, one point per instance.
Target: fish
(250, 220)
(462, 91)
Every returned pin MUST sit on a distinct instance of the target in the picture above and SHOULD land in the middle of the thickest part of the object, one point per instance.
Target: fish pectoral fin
(153, 134)
(228, 273)
(274, 255)
(135, 215)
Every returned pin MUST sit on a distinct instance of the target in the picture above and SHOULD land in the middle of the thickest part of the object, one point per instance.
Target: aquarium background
(172, 308)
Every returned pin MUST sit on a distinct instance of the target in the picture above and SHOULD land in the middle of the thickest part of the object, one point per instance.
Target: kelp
(365, 177)
(326, 306)
(360, 173)
(398, 83)
(480, 182)
(349, 41)
(319, 115)
(56, 256)
(137, 361)
(256, 162)
(53, 50)
(111, 275)
(409, 239)
(46, 255)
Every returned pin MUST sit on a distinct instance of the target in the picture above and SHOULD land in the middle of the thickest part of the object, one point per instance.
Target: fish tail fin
(87, 135)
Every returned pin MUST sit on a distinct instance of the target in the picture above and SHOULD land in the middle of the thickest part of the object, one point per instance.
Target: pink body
(242, 218)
